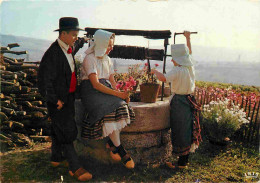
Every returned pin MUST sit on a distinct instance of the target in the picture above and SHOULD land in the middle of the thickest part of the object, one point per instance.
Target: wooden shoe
(61, 163)
(173, 166)
(81, 174)
(113, 151)
(128, 162)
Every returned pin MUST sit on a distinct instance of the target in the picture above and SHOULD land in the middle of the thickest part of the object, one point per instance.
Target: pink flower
(118, 86)
(133, 82)
(115, 70)
(146, 64)
(128, 84)
(125, 88)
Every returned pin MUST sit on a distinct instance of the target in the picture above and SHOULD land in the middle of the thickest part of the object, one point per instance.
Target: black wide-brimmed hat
(68, 23)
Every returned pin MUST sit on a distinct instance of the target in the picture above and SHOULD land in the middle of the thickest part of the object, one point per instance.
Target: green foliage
(222, 119)
(238, 88)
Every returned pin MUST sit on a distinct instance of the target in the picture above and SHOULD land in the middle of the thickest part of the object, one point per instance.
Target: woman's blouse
(102, 67)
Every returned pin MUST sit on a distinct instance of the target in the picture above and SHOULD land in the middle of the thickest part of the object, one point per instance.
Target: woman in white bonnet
(185, 131)
(107, 111)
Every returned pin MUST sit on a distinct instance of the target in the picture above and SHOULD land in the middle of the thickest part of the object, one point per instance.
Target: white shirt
(91, 64)
(182, 80)
(65, 48)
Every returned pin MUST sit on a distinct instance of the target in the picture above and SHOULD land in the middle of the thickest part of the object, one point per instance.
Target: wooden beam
(150, 34)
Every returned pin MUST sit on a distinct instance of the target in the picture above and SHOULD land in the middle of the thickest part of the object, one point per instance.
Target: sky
(227, 24)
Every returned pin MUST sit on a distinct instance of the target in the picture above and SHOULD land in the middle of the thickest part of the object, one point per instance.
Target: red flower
(146, 64)
(156, 65)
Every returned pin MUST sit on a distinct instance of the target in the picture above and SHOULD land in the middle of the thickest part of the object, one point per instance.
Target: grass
(209, 164)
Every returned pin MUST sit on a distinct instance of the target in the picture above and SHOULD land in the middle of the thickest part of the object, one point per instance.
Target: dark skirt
(181, 122)
(96, 103)
(101, 108)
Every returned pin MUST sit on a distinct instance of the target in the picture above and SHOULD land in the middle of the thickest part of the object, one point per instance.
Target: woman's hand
(127, 100)
(123, 95)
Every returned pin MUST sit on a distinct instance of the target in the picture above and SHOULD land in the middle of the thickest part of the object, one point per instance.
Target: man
(57, 81)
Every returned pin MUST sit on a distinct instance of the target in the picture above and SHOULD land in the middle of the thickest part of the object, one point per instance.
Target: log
(6, 72)
(22, 67)
(3, 117)
(34, 90)
(36, 115)
(6, 103)
(41, 109)
(14, 106)
(2, 67)
(20, 59)
(36, 103)
(25, 103)
(9, 76)
(21, 118)
(10, 58)
(30, 95)
(4, 48)
(25, 99)
(21, 75)
(14, 124)
(25, 83)
(7, 111)
(8, 98)
(7, 83)
(14, 52)
(4, 137)
(11, 80)
(11, 89)
(12, 45)
(26, 122)
(37, 138)
(25, 89)
(20, 139)
(12, 62)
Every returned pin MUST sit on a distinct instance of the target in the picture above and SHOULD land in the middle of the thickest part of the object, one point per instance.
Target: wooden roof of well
(149, 34)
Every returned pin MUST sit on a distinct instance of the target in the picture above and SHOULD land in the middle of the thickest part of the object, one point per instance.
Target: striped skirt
(116, 120)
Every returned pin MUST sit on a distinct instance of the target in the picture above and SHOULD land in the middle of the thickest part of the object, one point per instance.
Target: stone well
(147, 139)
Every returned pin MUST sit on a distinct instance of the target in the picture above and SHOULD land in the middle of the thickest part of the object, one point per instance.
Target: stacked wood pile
(23, 113)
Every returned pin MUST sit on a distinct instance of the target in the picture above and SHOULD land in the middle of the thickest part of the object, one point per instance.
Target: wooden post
(256, 126)
(250, 131)
(166, 42)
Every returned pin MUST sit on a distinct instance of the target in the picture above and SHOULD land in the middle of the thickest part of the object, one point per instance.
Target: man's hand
(60, 104)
